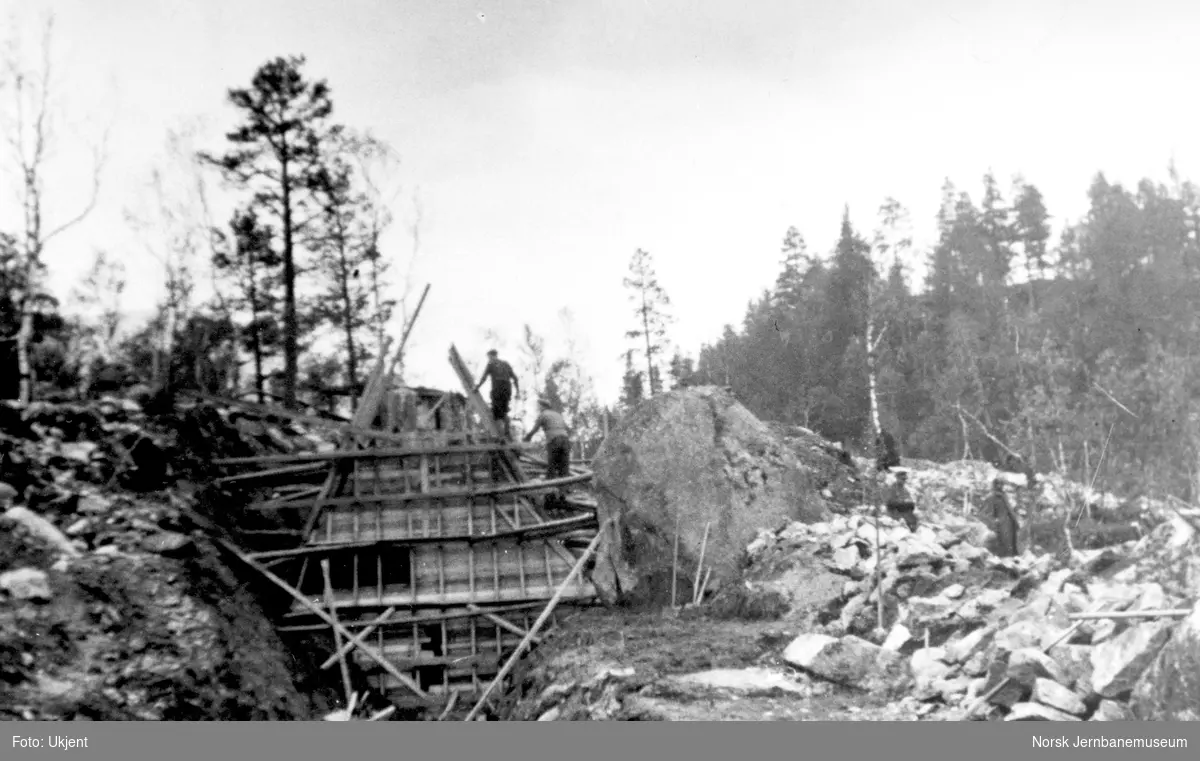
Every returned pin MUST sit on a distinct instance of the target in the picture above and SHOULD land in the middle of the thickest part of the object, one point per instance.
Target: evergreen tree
(276, 155)
(632, 384)
(650, 307)
(250, 263)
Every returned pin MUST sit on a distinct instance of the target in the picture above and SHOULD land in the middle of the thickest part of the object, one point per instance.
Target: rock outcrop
(691, 458)
(1170, 689)
(115, 604)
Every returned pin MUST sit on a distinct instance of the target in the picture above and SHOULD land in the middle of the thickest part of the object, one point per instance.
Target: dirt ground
(608, 665)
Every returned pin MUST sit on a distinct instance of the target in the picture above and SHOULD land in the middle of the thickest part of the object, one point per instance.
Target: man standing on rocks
(900, 503)
(999, 515)
(504, 381)
(885, 452)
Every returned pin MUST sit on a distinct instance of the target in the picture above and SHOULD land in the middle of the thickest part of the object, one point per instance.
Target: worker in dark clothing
(504, 381)
(558, 442)
(1000, 517)
(885, 452)
(900, 503)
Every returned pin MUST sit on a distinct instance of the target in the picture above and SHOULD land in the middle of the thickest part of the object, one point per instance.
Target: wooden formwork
(438, 551)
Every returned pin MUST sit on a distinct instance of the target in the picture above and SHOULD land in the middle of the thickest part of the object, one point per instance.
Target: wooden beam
(418, 619)
(1173, 613)
(502, 623)
(361, 454)
(265, 475)
(316, 610)
(528, 487)
(541, 620)
(327, 548)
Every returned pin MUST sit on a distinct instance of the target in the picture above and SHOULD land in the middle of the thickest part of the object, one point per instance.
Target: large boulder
(688, 458)
(1170, 689)
(1118, 663)
(850, 661)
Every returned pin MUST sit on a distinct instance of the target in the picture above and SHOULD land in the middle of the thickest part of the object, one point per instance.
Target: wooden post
(878, 568)
(700, 565)
(1170, 613)
(703, 585)
(675, 568)
(541, 620)
(337, 635)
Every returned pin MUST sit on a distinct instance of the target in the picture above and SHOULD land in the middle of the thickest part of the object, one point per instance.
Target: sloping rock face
(127, 634)
(1170, 689)
(115, 604)
(693, 457)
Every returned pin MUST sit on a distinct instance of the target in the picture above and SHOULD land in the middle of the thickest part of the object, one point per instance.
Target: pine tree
(632, 384)
(250, 263)
(275, 154)
(348, 261)
(650, 307)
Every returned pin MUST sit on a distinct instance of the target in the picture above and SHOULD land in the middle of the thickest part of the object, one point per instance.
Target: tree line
(1075, 356)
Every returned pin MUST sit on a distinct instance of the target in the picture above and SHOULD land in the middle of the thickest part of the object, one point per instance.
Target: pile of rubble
(114, 602)
(959, 631)
(857, 617)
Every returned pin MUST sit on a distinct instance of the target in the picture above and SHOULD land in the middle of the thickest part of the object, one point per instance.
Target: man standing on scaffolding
(558, 444)
(504, 381)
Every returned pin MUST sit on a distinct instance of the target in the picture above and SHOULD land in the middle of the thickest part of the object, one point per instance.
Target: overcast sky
(549, 140)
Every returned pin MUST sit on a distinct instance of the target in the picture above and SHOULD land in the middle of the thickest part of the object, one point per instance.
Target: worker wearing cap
(504, 381)
(1000, 518)
(900, 503)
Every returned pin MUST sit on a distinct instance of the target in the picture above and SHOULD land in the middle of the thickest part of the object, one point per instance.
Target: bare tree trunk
(649, 362)
(872, 390)
(29, 137)
(291, 327)
(24, 341)
(347, 318)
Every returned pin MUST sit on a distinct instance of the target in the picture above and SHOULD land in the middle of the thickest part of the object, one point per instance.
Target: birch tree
(29, 125)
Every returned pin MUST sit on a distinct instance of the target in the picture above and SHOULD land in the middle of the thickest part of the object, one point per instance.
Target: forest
(1075, 355)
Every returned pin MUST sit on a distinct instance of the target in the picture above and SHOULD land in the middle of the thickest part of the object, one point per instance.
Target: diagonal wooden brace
(502, 623)
(360, 638)
(316, 610)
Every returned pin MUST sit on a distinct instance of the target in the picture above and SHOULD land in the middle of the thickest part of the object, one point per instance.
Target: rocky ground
(965, 635)
(114, 602)
(843, 615)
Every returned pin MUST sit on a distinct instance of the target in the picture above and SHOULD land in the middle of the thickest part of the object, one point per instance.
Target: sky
(547, 140)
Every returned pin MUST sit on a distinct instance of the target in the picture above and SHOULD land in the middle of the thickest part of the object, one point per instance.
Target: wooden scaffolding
(429, 550)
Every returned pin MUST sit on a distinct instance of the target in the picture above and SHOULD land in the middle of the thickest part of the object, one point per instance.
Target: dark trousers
(558, 456)
(906, 513)
(501, 397)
